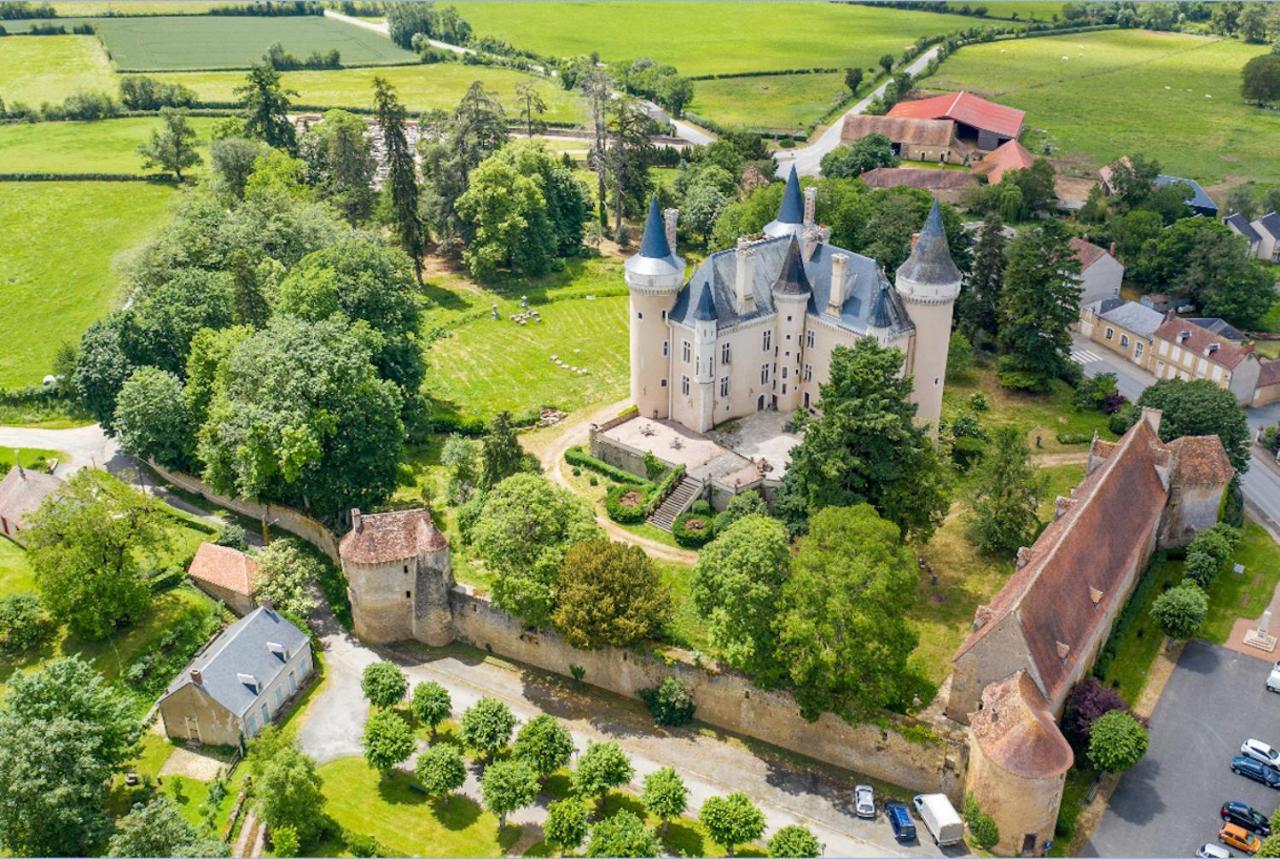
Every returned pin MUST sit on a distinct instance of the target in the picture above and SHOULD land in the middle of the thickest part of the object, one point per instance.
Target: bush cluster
(670, 702)
(575, 455)
(626, 504)
(693, 530)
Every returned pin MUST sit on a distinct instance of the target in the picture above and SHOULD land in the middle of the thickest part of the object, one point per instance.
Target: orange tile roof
(916, 177)
(916, 132)
(966, 108)
(1087, 252)
(380, 538)
(1015, 729)
(1010, 155)
(1270, 374)
(224, 567)
(1198, 340)
(1201, 461)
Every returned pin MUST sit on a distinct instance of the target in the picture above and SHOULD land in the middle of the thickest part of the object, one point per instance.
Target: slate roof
(242, 649)
(1218, 326)
(791, 277)
(900, 129)
(705, 310)
(22, 491)
(225, 567)
(1271, 223)
(792, 209)
(654, 244)
(382, 538)
(1087, 252)
(1010, 155)
(917, 177)
(1199, 198)
(1015, 729)
(1129, 315)
(966, 108)
(1228, 354)
(930, 261)
(1241, 225)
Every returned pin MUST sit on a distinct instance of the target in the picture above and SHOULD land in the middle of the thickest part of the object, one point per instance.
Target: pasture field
(57, 262)
(421, 87)
(1102, 95)
(1030, 10)
(701, 37)
(783, 102)
(90, 8)
(37, 69)
(210, 42)
(109, 146)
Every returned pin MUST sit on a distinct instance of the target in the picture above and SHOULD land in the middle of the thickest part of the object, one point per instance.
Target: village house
(946, 186)
(979, 123)
(1262, 234)
(225, 574)
(1198, 200)
(1125, 327)
(22, 491)
(1100, 272)
(912, 139)
(1241, 226)
(240, 683)
(1185, 350)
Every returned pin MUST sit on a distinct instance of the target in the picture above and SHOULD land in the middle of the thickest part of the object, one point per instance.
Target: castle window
(724, 354)
(808, 372)
(784, 371)
(808, 338)
(666, 348)
(664, 316)
(664, 383)
(639, 314)
(684, 385)
(788, 319)
(724, 386)
(407, 595)
(406, 569)
(685, 351)
(784, 389)
(764, 374)
(768, 340)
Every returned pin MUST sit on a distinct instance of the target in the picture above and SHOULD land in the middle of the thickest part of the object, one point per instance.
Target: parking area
(1168, 804)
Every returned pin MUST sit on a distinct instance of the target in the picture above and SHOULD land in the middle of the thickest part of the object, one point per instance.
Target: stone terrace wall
(728, 700)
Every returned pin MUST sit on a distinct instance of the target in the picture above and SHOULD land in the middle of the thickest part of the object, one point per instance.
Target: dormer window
(1063, 649)
(1095, 596)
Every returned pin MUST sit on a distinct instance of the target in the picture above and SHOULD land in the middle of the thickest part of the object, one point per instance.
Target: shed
(22, 491)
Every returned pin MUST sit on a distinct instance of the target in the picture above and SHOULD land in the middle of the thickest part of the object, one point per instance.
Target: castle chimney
(357, 521)
(810, 204)
(743, 295)
(1152, 417)
(839, 289)
(196, 677)
(669, 219)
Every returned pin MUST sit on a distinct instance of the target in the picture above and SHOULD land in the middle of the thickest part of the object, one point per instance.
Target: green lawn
(211, 42)
(1101, 95)
(422, 87)
(1235, 596)
(27, 457)
(110, 146)
(15, 572)
(777, 102)
(703, 37)
(60, 242)
(50, 68)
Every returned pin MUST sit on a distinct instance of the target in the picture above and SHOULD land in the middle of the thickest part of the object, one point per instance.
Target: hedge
(692, 537)
(625, 514)
(577, 456)
(1074, 438)
(90, 177)
(664, 488)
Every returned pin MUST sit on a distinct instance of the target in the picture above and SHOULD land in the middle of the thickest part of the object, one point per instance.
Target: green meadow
(109, 146)
(37, 69)
(1098, 96)
(782, 102)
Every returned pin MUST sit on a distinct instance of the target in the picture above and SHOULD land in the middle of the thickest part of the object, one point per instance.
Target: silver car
(1213, 851)
(1273, 679)
(864, 801)
(1260, 752)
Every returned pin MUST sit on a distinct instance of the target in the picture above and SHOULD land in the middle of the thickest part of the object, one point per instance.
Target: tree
(1039, 299)
(152, 420)
(1179, 611)
(1132, 180)
(976, 308)
(853, 79)
(731, 820)
(1117, 742)
(740, 506)
(172, 147)
(475, 130)
(983, 830)
(500, 453)
(1035, 185)
(597, 89)
(544, 744)
(664, 795)
(1137, 235)
(852, 160)
(1252, 23)
(284, 842)
(842, 630)
(791, 842)
(1089, 701)
(266, 108)
(532, 107)
(736, 585)
(623, 835)
(524, 528)
(402, 173)
(886, 63)
(431, 704)
(286, 575)
(1007, 494)
(866, 447)
(630, 148)
(89, 544)
(703, 204)
(602, 767)
(609, 594)
(387, 740)
(24, 623)
(566, 824)
(1200, 408)
(1206, 261)
(1242, 199)
(157, 829)
(384, 684)
(460, 455)
(486, 726)
(101, 369)
(440, 770)
(231, 161)
(288, 792)
(340, 163)
(508, 786)
(1270, 846)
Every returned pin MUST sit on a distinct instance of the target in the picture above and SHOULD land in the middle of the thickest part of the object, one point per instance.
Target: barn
(979, 122)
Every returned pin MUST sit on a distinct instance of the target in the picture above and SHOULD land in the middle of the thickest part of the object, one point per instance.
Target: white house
(1100, 272)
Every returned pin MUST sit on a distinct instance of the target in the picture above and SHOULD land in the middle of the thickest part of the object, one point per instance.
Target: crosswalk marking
(1084, 356)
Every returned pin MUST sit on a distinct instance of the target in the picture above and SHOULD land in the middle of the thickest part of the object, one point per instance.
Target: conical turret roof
(930, 261)
(792, 209)
(654, 244)
(791, 279)
(705, 309)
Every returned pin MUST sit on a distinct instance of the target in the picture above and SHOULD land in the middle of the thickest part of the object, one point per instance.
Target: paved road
(1167, 805)
(381, 28)
(808, 158)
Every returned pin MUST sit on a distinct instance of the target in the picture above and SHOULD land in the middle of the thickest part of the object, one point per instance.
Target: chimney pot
(839, 276)
(196, 677)
(810, 205)
(743, 293)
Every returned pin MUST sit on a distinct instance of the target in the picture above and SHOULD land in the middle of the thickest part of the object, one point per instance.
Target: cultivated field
(37, 69)
(421, 87)
(1102, 95)
(1026, 11)
(60, 240)
(72, 8)
(210, 42)
(110, 146)
(702, 37)
(784, 102)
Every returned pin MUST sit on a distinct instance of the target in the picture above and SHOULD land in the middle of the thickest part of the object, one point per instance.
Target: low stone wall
(728, 700)
(294, 521)
(617, 454)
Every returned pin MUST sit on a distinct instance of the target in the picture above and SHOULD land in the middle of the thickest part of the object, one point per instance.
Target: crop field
(1031, 10)
(784, 102)
(1099, 96)
(210, 42)
(109, 146)
(72, 8)
(37, 69)
(696, 37)
(60, 241)
(421, 87)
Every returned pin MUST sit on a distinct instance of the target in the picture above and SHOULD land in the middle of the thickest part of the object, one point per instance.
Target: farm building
(1010, 155)
(1241, 226)
(1198, 200)
(239, 683)
(1263, 235)
(915, 139)
(1100, 272)
(979, 122)
(21, 492)
(225, 574)
(945, 185)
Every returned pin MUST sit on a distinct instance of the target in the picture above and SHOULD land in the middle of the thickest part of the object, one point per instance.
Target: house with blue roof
(240, 683)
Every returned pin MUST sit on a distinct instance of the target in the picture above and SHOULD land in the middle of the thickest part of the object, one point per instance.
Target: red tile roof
(915, 132)
(916, 177)
(1017, 732)
(224, 567)
(381, 538)
(1198, 340)
(1201, 461)
(1010, 155)
(966, 108)
(1087, 252)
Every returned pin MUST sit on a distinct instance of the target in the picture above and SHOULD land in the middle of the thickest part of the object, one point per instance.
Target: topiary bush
(1074, 438)
(670, 702)
(625, 504)
(701, 507)
(692, 530)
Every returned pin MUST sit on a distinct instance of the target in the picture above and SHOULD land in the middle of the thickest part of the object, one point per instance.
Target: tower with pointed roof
(654, 277)
(928, 283)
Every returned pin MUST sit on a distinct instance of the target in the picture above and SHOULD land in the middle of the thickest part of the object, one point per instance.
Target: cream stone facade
(754, 328)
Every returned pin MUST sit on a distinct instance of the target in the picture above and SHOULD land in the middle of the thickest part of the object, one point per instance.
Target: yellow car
(1238, 837)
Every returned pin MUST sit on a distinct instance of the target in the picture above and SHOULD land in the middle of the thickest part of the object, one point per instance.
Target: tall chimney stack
(196, 677)
(810, 204)
(357, 520)
(744, 297)
(669, 219)
(839, 288)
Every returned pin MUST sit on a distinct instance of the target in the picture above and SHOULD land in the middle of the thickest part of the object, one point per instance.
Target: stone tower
(928, 283)
(654, 276)
(791, 292)
(704, 358)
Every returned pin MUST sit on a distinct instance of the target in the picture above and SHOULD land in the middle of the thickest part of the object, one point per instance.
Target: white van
(939, 818)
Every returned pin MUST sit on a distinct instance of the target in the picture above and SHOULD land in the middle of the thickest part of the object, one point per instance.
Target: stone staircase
(680, 499)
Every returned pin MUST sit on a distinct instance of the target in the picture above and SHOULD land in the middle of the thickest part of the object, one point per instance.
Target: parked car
(1256, 770)
(1241, 839)
(899, 816)
(939, 818)
(1273, 679)
(1260, 752)
(864, 801)
(1213, 851)
(1243, 814)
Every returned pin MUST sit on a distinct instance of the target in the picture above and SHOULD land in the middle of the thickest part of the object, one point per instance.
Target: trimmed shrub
(1074, 438)
(625, 504)
(983, 830)
(1117, 742)
(701, 507)
(577, 456)
(692, 530)
(670, 702)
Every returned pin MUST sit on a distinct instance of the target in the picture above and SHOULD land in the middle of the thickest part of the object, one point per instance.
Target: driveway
(1168, 804)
